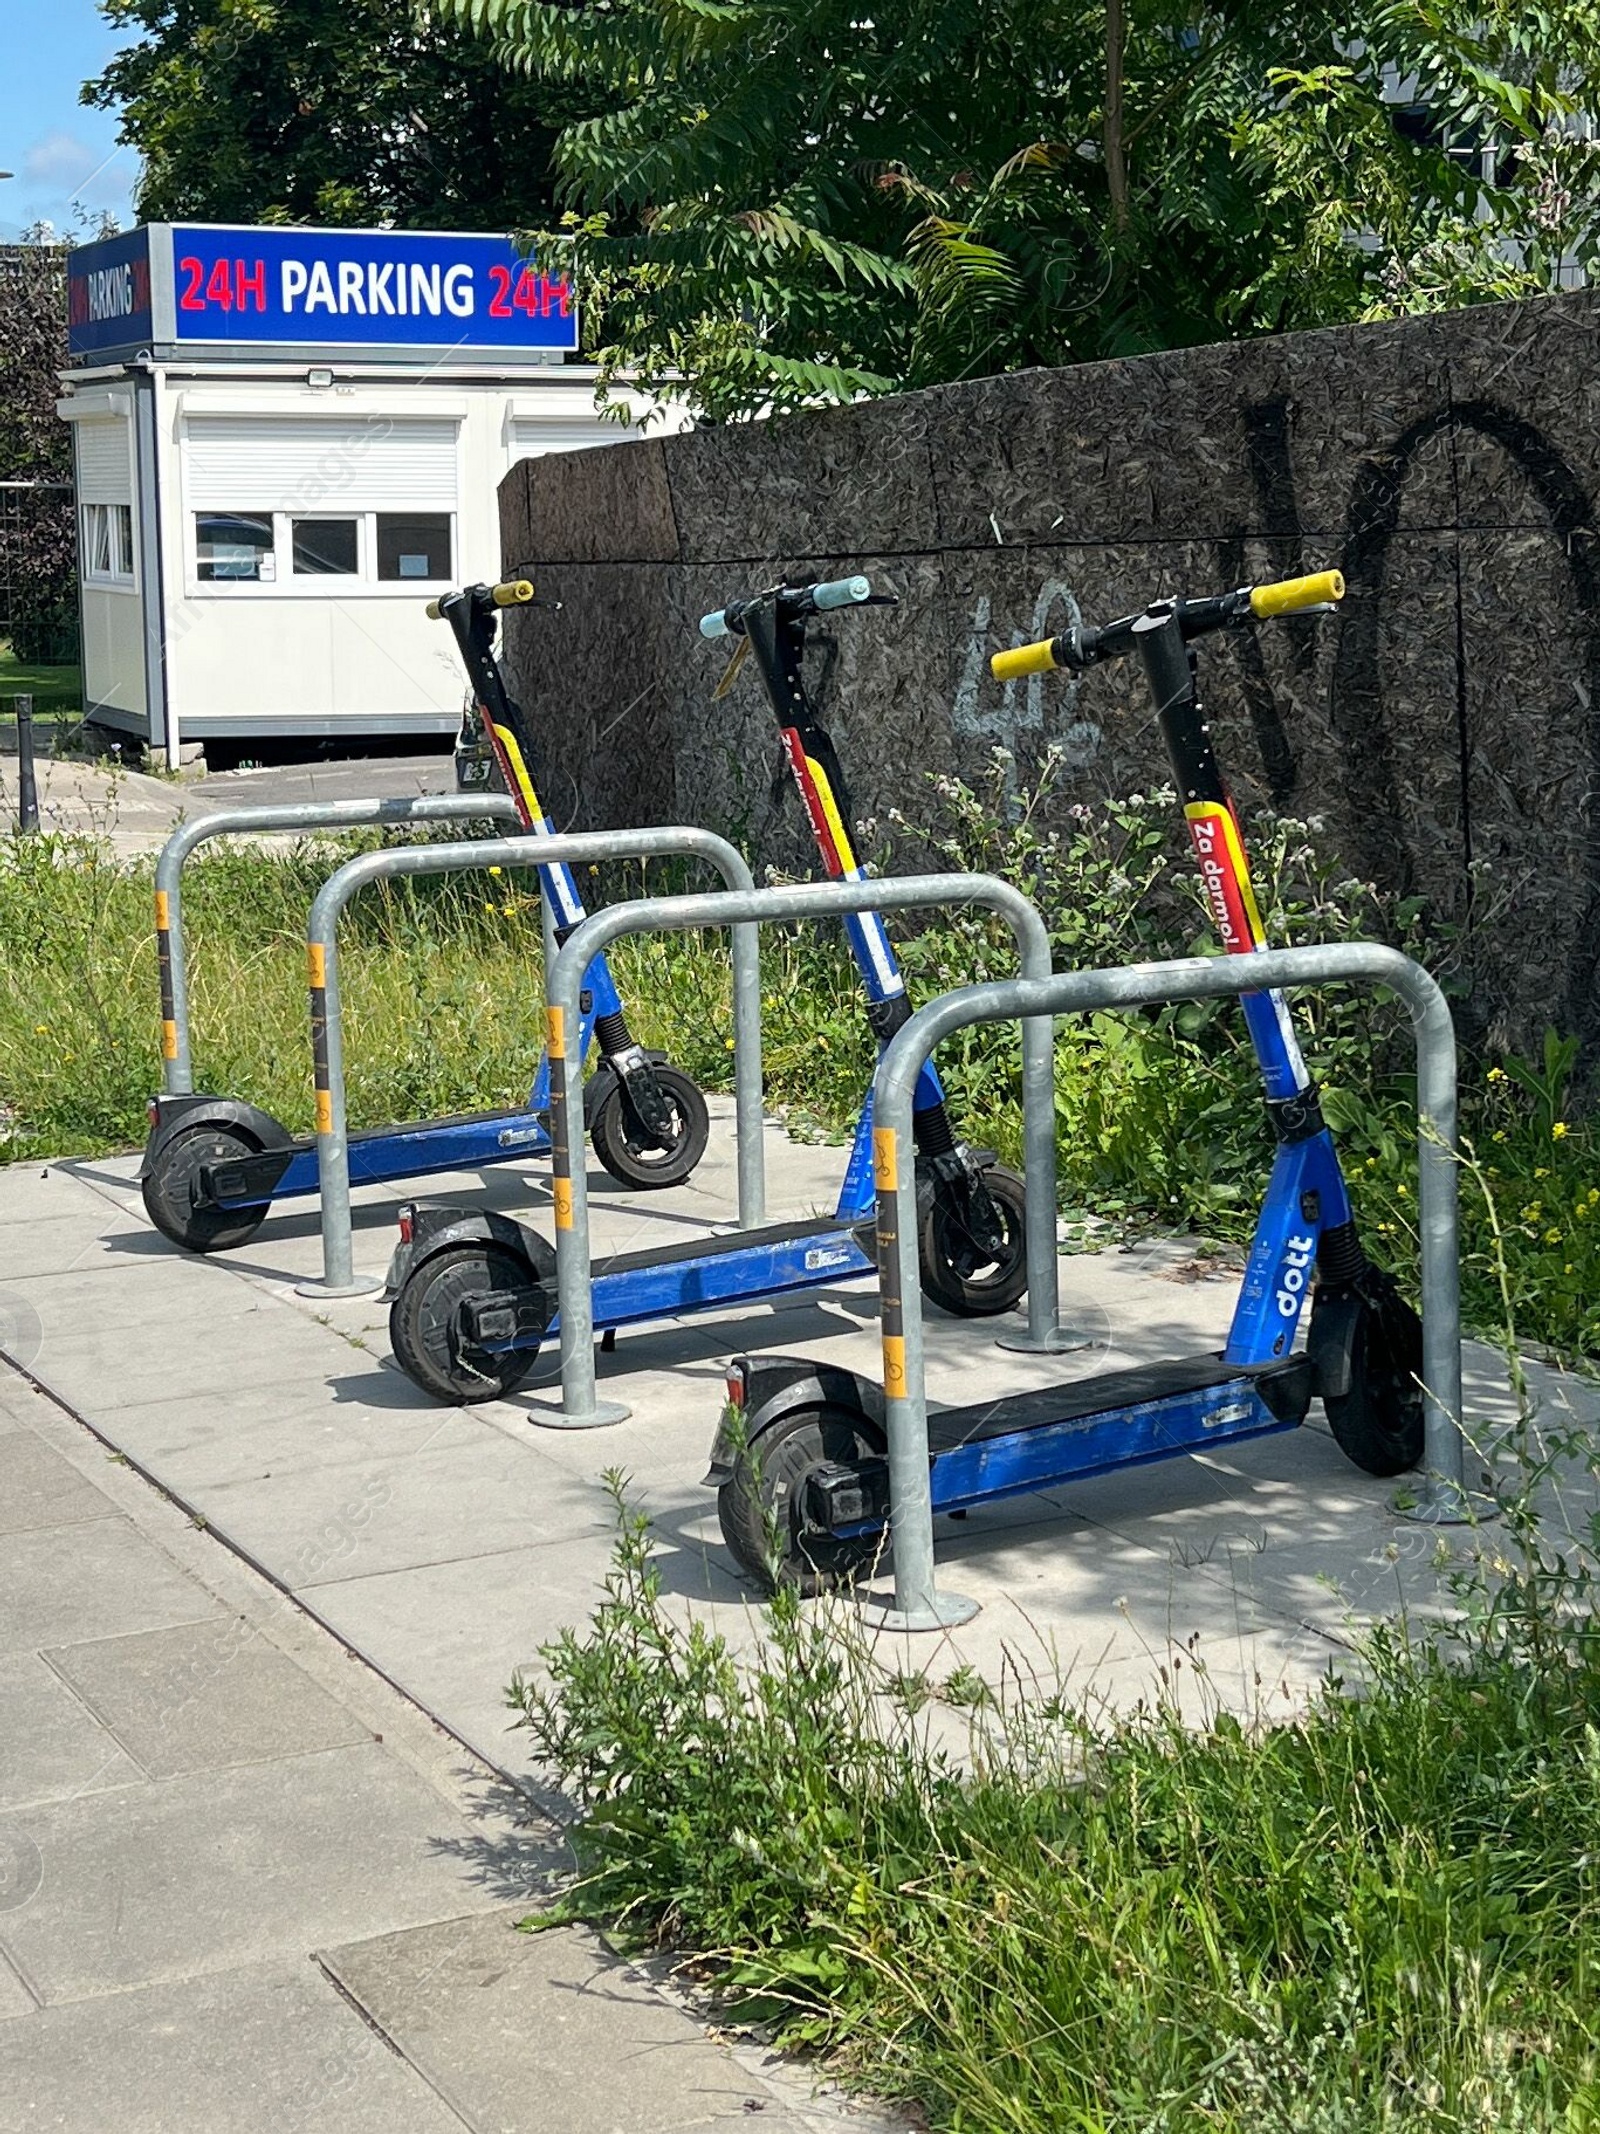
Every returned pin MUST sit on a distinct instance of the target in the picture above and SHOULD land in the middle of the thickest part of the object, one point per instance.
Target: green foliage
(334, 111)
(39, 566)
(1381, 1916)
(778, 202)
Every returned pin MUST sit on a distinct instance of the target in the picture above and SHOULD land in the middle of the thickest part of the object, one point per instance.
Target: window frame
(107, 577)
(289, 584)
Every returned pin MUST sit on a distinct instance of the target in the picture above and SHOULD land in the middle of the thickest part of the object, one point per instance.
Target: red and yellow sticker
(1232, 901)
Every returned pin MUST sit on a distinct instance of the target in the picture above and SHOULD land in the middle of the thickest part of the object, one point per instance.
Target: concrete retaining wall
(1446, 725)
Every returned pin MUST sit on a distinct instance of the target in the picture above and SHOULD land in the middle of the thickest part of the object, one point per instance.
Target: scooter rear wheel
(758, 1507)
(425, 1324)
(629, 1157)
(957, 1271)
(171, 1188)
(1379, 1423)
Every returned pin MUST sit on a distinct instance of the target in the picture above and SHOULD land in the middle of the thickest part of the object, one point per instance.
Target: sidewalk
(246, 1886)
(134, 813)
(226, 1847)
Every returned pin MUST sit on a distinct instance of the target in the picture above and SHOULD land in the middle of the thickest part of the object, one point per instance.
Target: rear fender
(173, 1115)
(774, 1387)
(436, 1230)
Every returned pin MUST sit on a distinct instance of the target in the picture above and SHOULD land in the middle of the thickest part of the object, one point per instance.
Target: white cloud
(61, 160)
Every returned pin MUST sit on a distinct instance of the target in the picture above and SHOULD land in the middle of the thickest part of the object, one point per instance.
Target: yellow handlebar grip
(434, 611)
(1290, 595)
(1024, 659)
(514, 593)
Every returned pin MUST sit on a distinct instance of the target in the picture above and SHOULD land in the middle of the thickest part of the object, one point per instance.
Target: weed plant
(1381, 1914)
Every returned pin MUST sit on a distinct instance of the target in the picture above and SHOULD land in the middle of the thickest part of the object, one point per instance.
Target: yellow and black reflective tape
(169, 1006)
(317, 970)
(891, 1308)
(560, 1140)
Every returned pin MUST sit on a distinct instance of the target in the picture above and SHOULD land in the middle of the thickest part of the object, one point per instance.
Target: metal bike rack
(177, 1066)
(327, 1032)
(918, 1605)
(580, 1409)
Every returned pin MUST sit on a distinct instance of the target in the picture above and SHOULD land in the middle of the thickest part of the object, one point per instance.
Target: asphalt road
(285, 784)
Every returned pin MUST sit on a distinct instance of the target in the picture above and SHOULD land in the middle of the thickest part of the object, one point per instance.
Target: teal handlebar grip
(841, 592)
(714, 624)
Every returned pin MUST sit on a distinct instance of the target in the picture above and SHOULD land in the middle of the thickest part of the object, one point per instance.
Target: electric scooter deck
(213, 1166)
(701, 1274)
(461, 1141)
(800, 1454)
(474, 1299)
(1021, 1442)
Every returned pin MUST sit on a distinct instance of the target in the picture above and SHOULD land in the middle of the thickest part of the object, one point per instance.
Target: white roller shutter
(372, 463)
(530, 439)
(105, 472)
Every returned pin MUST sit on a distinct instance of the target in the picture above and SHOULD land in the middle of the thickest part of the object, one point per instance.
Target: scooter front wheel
(638, 1162)
(968, 1277)
(1379, 1424)
(425, 1326)
(761, 1506)
(172, 1193)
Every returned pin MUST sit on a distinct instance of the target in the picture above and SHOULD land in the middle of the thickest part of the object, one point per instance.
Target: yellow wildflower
(1558, 1132)
(497, 870)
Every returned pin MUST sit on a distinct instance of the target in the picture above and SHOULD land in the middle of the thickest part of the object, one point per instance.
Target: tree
(38, 564)
(782, 200)
(336, 111)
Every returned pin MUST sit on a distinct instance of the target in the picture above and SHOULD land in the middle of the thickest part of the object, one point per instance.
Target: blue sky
(61, 153)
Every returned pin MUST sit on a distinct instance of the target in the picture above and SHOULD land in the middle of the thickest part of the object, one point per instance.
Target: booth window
(234, 547)
(414, 544)
(326, 548)
(108, 544)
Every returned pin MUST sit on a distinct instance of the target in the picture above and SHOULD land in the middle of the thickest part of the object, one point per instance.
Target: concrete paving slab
(459, 1631)
(59, 1587)
(354, 1519)
(503, 2024)
(203, 1696)
(343, 1843)
(261, 2051)
(57, 1244)
(15, 2001)
(52, 1747)
(38, 1488)
(118, 1293)
(103, 1368)
(42, 1193)
(257, 1431)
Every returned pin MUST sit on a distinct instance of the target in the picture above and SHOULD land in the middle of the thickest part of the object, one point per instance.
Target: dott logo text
(350, 288)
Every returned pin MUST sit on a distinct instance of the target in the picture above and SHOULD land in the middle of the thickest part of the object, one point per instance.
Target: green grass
(1383, 1915)
(57, 691)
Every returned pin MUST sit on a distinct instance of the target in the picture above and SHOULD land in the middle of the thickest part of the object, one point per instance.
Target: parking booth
(286, 442)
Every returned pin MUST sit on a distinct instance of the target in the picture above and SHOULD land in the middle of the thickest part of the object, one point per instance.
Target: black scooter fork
(473, 617)
(775, 632)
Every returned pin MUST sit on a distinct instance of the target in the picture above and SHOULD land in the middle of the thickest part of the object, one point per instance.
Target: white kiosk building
(286, 442)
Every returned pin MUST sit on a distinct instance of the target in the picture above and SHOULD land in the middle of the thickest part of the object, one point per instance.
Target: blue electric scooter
(800, 1462)
(474, 1297)
(213, 1166)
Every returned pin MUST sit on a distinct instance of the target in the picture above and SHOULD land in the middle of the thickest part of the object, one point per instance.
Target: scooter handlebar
(1024, 659)
(796, 599)
(509, 593)
(1080, 649)
(1291, 596)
